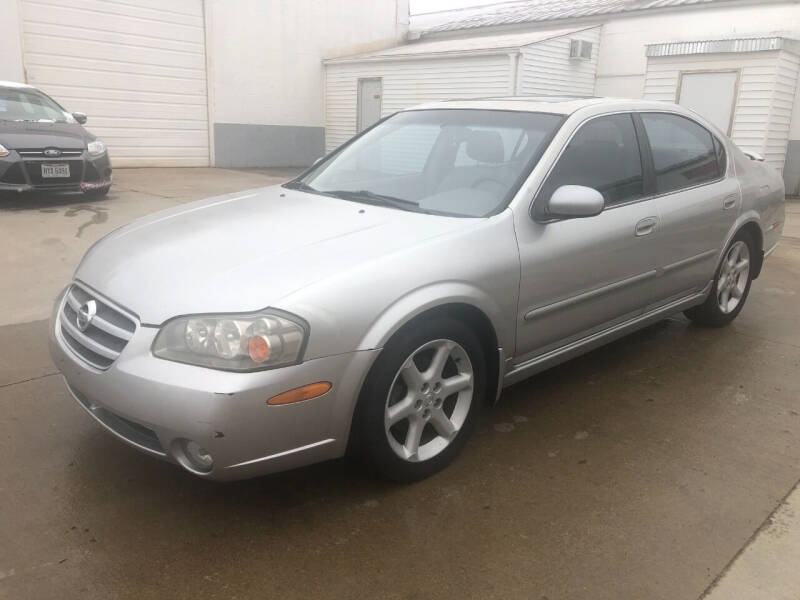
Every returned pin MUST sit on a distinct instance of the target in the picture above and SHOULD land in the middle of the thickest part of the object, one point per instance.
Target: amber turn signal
(258, 348)
(306, 392)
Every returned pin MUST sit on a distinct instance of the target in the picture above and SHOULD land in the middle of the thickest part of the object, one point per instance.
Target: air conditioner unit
(580, 49)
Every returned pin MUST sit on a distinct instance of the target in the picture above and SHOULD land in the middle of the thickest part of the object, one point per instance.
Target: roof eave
(599, 16)
(422, 55)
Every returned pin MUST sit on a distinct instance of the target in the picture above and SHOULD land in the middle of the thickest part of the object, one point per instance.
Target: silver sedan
(374, 304)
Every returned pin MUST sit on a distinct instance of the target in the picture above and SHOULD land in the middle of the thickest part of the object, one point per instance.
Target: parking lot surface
(645, 469)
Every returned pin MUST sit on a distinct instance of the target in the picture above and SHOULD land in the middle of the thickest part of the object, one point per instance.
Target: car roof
(14, 84)
(563, 105)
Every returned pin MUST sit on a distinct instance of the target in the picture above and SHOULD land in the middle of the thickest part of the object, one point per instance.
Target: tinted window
(604, 155)
(683, 152)
(21, 104)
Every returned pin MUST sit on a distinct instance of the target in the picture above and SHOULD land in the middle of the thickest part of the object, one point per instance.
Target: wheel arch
(456, 300)
(470, 314)
(480, 324)
(750, 223)
(753, 229)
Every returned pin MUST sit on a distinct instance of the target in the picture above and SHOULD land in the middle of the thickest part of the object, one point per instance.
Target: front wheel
(731, 285)
(420, 400)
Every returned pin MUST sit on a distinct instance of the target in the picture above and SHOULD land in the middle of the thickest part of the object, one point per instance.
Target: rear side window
(684, 153)
(604, 155)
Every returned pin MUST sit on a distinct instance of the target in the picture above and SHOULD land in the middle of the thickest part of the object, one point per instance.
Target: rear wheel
(731, 285)
(420, 400)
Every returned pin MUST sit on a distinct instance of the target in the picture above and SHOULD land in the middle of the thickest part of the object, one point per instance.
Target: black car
(43, 147)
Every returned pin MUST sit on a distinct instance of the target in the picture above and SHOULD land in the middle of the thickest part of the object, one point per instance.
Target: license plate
(55, 170)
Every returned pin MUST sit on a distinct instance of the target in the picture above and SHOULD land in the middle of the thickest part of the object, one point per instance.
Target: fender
(428, 297)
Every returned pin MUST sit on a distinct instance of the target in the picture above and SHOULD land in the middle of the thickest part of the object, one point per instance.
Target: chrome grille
(40, 152)
(102, 341)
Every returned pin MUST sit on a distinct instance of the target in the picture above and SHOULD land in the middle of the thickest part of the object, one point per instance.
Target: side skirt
(517, 373)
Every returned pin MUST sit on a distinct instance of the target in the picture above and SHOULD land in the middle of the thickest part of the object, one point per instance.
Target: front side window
(684, 154)
(459, 162)
(20, 104)
(604, 155)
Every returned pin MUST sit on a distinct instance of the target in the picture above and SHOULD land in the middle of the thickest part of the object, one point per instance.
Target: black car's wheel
(98, 192)
(731, 285)
(419, 403)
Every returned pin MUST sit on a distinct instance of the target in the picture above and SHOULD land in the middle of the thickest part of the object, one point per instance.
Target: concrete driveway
(641, 470)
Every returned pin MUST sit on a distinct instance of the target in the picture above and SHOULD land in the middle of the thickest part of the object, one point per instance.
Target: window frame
(646, 156)
(536, 210)
(715, 139)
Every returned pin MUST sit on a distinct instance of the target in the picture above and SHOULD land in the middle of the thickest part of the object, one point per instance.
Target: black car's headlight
(96, 148)
(3, 150)
(248, 342)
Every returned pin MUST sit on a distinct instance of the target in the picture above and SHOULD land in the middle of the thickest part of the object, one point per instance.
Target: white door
(370, 92)
(137, 69)
(711, 95)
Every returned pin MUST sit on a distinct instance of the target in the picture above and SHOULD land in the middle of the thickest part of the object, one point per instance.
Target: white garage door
(136, 68)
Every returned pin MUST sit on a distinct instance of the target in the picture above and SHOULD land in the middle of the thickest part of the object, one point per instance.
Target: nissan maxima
(44, 147)
(375, 304)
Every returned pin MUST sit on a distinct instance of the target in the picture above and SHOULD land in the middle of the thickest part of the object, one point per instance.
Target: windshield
(18, 104)
(466, 163)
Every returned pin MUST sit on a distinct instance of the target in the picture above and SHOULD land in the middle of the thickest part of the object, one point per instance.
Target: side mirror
(575, 201)
(80, 117)
(753, 155)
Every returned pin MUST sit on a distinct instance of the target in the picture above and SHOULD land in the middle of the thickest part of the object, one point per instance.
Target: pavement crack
(99, 215)
(5, 385)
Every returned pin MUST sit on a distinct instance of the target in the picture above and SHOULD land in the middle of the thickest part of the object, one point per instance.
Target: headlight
(3, 150)
(233, 342)
(96, 148)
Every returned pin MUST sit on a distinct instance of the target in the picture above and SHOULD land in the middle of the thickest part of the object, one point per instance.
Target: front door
(583, 275)
(370, 92)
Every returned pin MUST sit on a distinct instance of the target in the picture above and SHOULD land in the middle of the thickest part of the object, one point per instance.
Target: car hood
(20, 134)
(244, 252)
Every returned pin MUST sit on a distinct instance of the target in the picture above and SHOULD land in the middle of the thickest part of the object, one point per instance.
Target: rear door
(583, 275)
(697, 199)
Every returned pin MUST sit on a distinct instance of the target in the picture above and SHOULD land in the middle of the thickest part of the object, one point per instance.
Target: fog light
(197, 456)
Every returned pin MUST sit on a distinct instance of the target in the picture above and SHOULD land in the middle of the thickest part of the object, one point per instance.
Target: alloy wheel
(733, 277)
(429, 400)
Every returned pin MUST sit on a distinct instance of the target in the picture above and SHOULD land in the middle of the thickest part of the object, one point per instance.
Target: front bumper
(152, 404)
(23, 173)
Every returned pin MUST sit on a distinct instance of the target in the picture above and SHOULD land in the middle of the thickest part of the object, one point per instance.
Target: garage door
(136, 68)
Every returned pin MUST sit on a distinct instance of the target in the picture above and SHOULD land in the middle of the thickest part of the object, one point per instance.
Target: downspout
(513, 79)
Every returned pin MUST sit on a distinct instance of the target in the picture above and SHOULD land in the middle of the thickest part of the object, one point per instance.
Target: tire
(97, 193)
(404, 399)
(731, 285)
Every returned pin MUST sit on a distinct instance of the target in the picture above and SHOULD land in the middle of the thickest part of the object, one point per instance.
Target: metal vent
(580, 49)
(93, 329)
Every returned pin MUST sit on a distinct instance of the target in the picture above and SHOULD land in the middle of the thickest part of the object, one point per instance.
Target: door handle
(646, 226)
(729, 202)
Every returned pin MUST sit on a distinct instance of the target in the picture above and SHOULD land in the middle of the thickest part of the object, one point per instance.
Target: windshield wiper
(372, 198)
(364, 196)
(299, 185)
